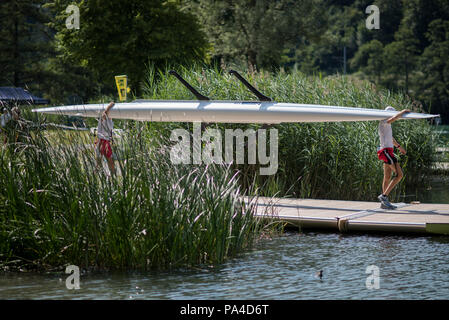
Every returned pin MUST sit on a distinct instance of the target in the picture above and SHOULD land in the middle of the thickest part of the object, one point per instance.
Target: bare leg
(387, 177)
(397, 168)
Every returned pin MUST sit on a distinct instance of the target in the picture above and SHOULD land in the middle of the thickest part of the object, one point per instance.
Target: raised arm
(108, 108)
(397, 116)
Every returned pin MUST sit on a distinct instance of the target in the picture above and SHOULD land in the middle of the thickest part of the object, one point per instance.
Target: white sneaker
(391, 206)
(384, 200)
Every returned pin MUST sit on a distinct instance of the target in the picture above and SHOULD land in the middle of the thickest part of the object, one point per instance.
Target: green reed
(318, 160)
(57, 208)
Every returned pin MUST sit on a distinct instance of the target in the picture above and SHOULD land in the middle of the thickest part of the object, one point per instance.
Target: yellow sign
(122, 86)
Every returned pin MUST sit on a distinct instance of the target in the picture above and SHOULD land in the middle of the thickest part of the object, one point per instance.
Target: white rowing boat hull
(228, 112)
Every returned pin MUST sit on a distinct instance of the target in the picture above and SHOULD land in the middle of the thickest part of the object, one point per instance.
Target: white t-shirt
(104, 130)
(385, 135)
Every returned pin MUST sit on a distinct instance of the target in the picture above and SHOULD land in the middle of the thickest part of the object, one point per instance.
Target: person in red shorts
(104, 139)
(386, 154)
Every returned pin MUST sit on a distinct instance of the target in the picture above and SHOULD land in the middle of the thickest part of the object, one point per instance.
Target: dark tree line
(409, 52)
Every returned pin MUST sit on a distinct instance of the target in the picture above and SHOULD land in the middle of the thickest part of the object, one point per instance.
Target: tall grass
(56, 208)
(319, 160)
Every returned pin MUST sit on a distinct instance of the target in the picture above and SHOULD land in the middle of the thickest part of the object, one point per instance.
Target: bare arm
(397, 145)
(397, 116)
(108, 108)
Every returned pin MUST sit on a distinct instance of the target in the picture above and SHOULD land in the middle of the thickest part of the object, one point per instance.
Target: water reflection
(436, 191)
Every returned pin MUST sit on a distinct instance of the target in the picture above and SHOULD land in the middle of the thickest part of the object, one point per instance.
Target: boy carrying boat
(385, 154)
(104, 139)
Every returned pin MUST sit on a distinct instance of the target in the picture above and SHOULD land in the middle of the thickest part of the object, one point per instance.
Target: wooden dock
(356, 216)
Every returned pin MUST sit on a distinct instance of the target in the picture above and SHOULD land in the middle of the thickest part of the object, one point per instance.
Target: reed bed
(57, 208)
(319, 160)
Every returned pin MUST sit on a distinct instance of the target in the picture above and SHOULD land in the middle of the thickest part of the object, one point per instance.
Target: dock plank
(346, 216)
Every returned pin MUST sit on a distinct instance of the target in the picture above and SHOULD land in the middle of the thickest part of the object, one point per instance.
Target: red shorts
(387, 155)
(104, 147)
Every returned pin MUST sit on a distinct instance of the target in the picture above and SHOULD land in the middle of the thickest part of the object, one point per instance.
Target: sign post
(122, 86)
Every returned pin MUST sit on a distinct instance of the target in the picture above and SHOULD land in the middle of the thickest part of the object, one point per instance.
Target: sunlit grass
(319, 160)
(57, 208)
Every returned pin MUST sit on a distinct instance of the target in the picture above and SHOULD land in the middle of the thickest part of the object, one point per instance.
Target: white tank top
(104, 130)
(385, 135)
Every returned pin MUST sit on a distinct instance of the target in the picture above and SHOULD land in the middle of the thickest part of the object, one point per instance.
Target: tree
(24, 42)
(391, 12)
(258, 32)
(327, 54)
(434, 79)
(402, 54)
(123, 36)
(421, 14)
(370, 59)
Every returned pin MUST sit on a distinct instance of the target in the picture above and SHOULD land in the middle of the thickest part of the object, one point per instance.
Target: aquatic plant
(58, 208)
(316, 160)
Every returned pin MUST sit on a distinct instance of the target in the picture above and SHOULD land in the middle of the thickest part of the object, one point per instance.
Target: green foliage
(57, 208)
(400, 56)
(408, 53)
(24, 44)
(121, 37)
(434, 79)
(369, 59)
(326, 55)
(257, 33)
(316, 160)
(393, 56)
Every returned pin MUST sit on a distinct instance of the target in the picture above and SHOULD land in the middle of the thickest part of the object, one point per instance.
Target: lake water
(409, 267)
(281, 268)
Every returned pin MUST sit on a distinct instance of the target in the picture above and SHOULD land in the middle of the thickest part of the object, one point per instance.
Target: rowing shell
(228, 112)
